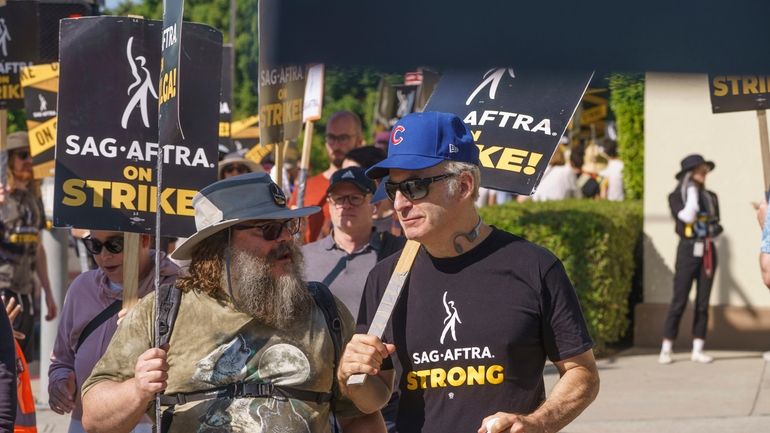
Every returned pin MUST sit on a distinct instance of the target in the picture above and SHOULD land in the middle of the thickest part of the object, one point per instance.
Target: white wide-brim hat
(251, 196)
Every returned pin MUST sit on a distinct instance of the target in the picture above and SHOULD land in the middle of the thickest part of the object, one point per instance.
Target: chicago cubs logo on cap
(397, 140)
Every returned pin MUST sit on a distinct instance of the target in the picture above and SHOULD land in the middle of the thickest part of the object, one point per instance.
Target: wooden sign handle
(390, 298)
(130, 269)
(764, 143)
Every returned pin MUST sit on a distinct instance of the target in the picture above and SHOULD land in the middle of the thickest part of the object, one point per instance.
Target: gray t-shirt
(345, 274)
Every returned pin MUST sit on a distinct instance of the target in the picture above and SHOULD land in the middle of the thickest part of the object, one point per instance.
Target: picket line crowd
(264, 310)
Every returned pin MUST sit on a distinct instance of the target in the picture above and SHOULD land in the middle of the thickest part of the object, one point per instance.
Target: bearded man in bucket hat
(481, 309)
(250, 349)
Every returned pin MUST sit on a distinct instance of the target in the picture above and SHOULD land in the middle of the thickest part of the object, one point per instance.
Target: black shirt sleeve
(7, 375)
(565, 332)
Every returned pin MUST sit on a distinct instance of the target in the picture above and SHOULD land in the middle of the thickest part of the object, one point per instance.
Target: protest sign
(226, 101)
(311, 111)
(41, 89)
(107, 147)
(169, 124)
(18, 48)
(281, 86)
(739, 92)
(245, 134)
(516, 117)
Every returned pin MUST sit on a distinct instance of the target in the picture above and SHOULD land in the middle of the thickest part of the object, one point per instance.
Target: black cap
(354, 175)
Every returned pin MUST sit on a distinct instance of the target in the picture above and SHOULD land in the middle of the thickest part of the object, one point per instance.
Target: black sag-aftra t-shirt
(472, 332)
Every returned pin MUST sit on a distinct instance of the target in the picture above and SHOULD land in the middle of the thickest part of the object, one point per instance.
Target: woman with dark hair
(696, 212)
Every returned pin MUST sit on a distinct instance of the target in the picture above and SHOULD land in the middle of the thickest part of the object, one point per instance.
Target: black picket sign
(516, 116)
(107, 132)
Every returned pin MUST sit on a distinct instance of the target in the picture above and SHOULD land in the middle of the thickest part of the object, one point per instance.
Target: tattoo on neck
(469, 236)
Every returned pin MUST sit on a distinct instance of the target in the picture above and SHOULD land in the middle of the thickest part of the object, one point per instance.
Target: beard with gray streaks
(276, 302)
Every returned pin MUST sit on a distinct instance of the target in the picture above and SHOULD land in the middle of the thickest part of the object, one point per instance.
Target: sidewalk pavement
(638, 395)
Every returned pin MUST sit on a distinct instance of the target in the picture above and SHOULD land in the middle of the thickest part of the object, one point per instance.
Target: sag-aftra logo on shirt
(453, 375)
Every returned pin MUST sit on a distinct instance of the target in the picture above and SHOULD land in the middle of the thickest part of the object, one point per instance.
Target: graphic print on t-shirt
(451, 371)
(226, 364)
(280, 364)
(451, 319)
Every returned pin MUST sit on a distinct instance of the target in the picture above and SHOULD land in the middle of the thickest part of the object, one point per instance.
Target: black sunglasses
(272, 230)
(94, 246)
(237, 168)
(413, 189)
(21, 154)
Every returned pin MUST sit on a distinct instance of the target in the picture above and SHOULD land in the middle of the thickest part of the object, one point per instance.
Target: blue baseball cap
(422, 140)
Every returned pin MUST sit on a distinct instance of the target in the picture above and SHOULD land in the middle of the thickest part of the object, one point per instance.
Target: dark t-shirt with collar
(345, 274)
(472, 332)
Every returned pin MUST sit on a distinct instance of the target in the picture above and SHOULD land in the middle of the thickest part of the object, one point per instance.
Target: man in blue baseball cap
(253, 347)
(482, 308)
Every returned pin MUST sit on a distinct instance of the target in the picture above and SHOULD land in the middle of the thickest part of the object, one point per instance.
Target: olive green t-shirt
(213, 345)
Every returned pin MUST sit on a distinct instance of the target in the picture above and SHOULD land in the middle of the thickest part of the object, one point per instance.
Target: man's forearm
(576, 389)
(374, 393)
(370, 423)
(112, 407)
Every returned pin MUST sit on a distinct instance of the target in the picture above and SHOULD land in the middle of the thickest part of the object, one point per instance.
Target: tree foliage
(627, 102)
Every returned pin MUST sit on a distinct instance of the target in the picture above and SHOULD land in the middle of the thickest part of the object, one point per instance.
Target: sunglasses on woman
(94, 246)
(272, 230)
(413, 189)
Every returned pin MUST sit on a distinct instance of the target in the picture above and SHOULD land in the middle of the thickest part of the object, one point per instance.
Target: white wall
(678, 122)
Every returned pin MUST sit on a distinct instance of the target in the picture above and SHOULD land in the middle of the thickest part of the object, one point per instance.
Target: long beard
(276, 302)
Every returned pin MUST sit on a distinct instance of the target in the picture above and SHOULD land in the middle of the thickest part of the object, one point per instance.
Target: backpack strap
(325, 300)
(97, 321)
(169, 297)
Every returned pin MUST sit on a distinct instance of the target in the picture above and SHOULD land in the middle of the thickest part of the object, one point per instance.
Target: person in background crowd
(250, 349)
(587, 186)
(471, 286)
(696, 212)
(342, 260)
(381, 140)
(89, 319)
(384, 219)
(25, 417)
(364, 156)
(235, 163)
(343, 134)
(612, 186)
(8, 397)
(22, 257)
(763, 217)
(558, 181)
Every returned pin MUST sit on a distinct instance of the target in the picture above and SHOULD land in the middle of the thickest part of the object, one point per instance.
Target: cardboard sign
(281, 86)
(169, 124)
(516, 117)
(18, 47)
(107, 132)
(314, 93)
(226, 101)
(41, 90)
(739, 92)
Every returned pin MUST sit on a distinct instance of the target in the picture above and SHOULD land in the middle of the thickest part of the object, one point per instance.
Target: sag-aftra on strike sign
(516, 117)
(107, 131)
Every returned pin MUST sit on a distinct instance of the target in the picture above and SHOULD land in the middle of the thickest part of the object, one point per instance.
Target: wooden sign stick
(390, 297)
(304, 163)
(764, 143)
(3, 147)
(130, 269)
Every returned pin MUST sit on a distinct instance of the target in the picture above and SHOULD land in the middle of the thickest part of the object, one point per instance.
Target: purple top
(87, 296)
